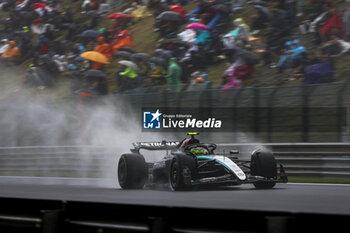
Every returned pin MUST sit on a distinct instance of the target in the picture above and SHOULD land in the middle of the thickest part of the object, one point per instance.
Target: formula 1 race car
(191, 164)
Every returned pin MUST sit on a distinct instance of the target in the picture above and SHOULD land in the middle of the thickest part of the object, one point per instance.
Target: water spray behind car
(110, 125)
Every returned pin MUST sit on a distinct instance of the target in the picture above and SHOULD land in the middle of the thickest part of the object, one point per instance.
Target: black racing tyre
(182, 170)
(263, 164)
(132, 171)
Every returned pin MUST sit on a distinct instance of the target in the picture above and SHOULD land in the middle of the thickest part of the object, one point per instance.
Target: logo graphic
(168, 119)
(151, 120)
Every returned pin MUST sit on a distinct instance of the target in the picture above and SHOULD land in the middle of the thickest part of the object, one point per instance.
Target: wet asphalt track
(292, 198)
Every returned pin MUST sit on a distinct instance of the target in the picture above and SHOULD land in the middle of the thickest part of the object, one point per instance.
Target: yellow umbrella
(95, 56)
(252, 38)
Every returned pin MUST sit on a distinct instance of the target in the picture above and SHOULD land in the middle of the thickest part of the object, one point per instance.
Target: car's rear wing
(163, 145)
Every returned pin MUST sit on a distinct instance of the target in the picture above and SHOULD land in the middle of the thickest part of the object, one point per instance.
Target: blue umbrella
(90, 34)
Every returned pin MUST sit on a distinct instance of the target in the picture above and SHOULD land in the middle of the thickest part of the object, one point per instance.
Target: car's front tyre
(182, 169)
(264, 164)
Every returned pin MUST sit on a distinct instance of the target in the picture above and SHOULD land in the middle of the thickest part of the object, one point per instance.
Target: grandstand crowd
(301, 37)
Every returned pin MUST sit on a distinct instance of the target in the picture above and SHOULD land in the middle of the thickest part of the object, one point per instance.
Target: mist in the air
(108, 124)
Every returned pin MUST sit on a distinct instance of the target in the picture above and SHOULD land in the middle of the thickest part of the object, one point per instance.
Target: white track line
(96, 182)
(320, 184)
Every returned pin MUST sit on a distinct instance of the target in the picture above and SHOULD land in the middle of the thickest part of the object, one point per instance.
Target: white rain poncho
(187, 35)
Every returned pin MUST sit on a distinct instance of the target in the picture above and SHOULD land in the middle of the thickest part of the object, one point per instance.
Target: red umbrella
(178, 9)
(39, 5)
(116, 16)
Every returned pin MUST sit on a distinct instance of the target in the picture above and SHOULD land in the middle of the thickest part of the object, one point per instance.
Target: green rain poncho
(129, 72)
(174, 73)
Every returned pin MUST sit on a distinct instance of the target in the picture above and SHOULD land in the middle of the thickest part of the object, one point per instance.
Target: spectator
(194, 59)
(48, 70)
(321, 72)
(160, 7)
(143, 70)
(123, 40)
(196, 49)
(277, 36)
(95, 82)
(42, 45)
(282, 23)
(157, 74)
(167, 28)
(60, 62)
(33, 78)
(292, 56)
(126, 79)
(310, 59)
(140, 11)
(12, 54)
(219, 21)
(203, 37)
(199, 81)
(242, 30)
(242, 72)
(174, 74)
(103, 48)
(25, 45)
(333, 26)
(260, 20)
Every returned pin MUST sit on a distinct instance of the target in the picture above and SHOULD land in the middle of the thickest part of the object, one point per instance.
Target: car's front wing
(231, 179)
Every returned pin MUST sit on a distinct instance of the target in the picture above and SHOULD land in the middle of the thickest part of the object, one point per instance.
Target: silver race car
(189, 163)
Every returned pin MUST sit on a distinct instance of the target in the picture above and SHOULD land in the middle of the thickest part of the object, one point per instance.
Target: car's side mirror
(234, 152)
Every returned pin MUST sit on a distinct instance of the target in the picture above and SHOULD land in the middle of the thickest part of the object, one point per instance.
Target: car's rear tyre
(263, 164)
(182, 170)
(132, 171)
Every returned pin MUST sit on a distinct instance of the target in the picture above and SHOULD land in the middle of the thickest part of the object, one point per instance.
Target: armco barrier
(54, 216)
(91, 163)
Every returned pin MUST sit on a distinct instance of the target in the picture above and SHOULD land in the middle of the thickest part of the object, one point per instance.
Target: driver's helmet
(197, 151)
(189, 141)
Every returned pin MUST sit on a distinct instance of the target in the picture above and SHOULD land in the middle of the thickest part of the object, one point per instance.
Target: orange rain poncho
(12, 52)
(123, 40)
(103, 48)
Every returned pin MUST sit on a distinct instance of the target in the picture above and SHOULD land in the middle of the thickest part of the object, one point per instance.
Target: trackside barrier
(90, 164)
(57, 216)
